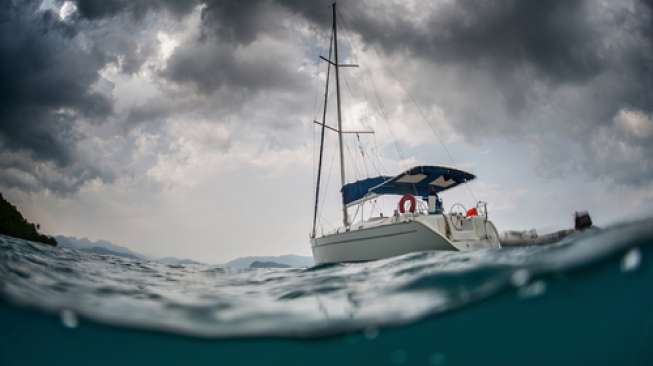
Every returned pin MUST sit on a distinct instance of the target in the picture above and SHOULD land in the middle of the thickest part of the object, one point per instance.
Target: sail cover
(357, 190)
(419, 181)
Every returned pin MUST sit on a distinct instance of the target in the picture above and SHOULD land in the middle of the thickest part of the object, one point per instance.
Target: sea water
(586, 300)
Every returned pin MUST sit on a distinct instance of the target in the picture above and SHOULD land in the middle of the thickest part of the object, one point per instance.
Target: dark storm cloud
(555, 74)
(120, 29)
(582, 62)
(98, 9)
(558, 74)
(210, 66)
(210, 61)
(236, 21)
(561, 42)
(216, 57)
(553, 36)
(561, 39)
(46, 80)
(50, 72)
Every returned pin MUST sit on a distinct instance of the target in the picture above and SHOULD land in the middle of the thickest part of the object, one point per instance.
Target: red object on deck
(472, 212)
(402, 203)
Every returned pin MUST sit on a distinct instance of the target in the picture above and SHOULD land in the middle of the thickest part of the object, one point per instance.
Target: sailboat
(422, 226)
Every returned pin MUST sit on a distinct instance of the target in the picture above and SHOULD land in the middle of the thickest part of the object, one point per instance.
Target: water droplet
(371, 332)
(535, 289)
(437, 358)
(520, 277)
(69, 318)
(631, 260)
(398, 357)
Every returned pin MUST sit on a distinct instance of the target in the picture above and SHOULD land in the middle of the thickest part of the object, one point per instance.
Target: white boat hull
(396, 238)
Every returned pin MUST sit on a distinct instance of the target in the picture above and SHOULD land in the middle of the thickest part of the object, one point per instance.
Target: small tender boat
(522, 238)
(422, 226)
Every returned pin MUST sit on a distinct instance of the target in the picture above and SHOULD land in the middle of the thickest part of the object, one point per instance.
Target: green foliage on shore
(12, 223)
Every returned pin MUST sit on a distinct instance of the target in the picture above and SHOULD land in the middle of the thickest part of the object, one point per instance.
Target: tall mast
(319, 165)
(345, 219)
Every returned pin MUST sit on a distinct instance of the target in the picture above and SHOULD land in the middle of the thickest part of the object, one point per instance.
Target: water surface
(587, 299)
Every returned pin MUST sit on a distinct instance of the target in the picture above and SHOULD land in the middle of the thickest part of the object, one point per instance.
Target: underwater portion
(585, 300)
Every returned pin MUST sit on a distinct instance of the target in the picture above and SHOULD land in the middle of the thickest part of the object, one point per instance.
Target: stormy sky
(185, 127)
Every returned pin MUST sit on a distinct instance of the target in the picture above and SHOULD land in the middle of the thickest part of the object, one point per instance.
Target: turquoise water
(585, 300)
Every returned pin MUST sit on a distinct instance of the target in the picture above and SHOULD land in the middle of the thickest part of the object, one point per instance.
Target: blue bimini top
(418, 181)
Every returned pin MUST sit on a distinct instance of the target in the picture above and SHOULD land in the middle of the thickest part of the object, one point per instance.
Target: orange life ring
(410, 198)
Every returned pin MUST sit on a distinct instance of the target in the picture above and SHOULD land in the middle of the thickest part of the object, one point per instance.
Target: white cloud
(67, 9)
(635, 123)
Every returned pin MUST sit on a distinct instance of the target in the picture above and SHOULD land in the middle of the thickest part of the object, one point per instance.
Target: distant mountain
(105, 251)
(177, 261)
(99, 247)
(108, 248)
(257, 264)
(289, 260)
(13, 223)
